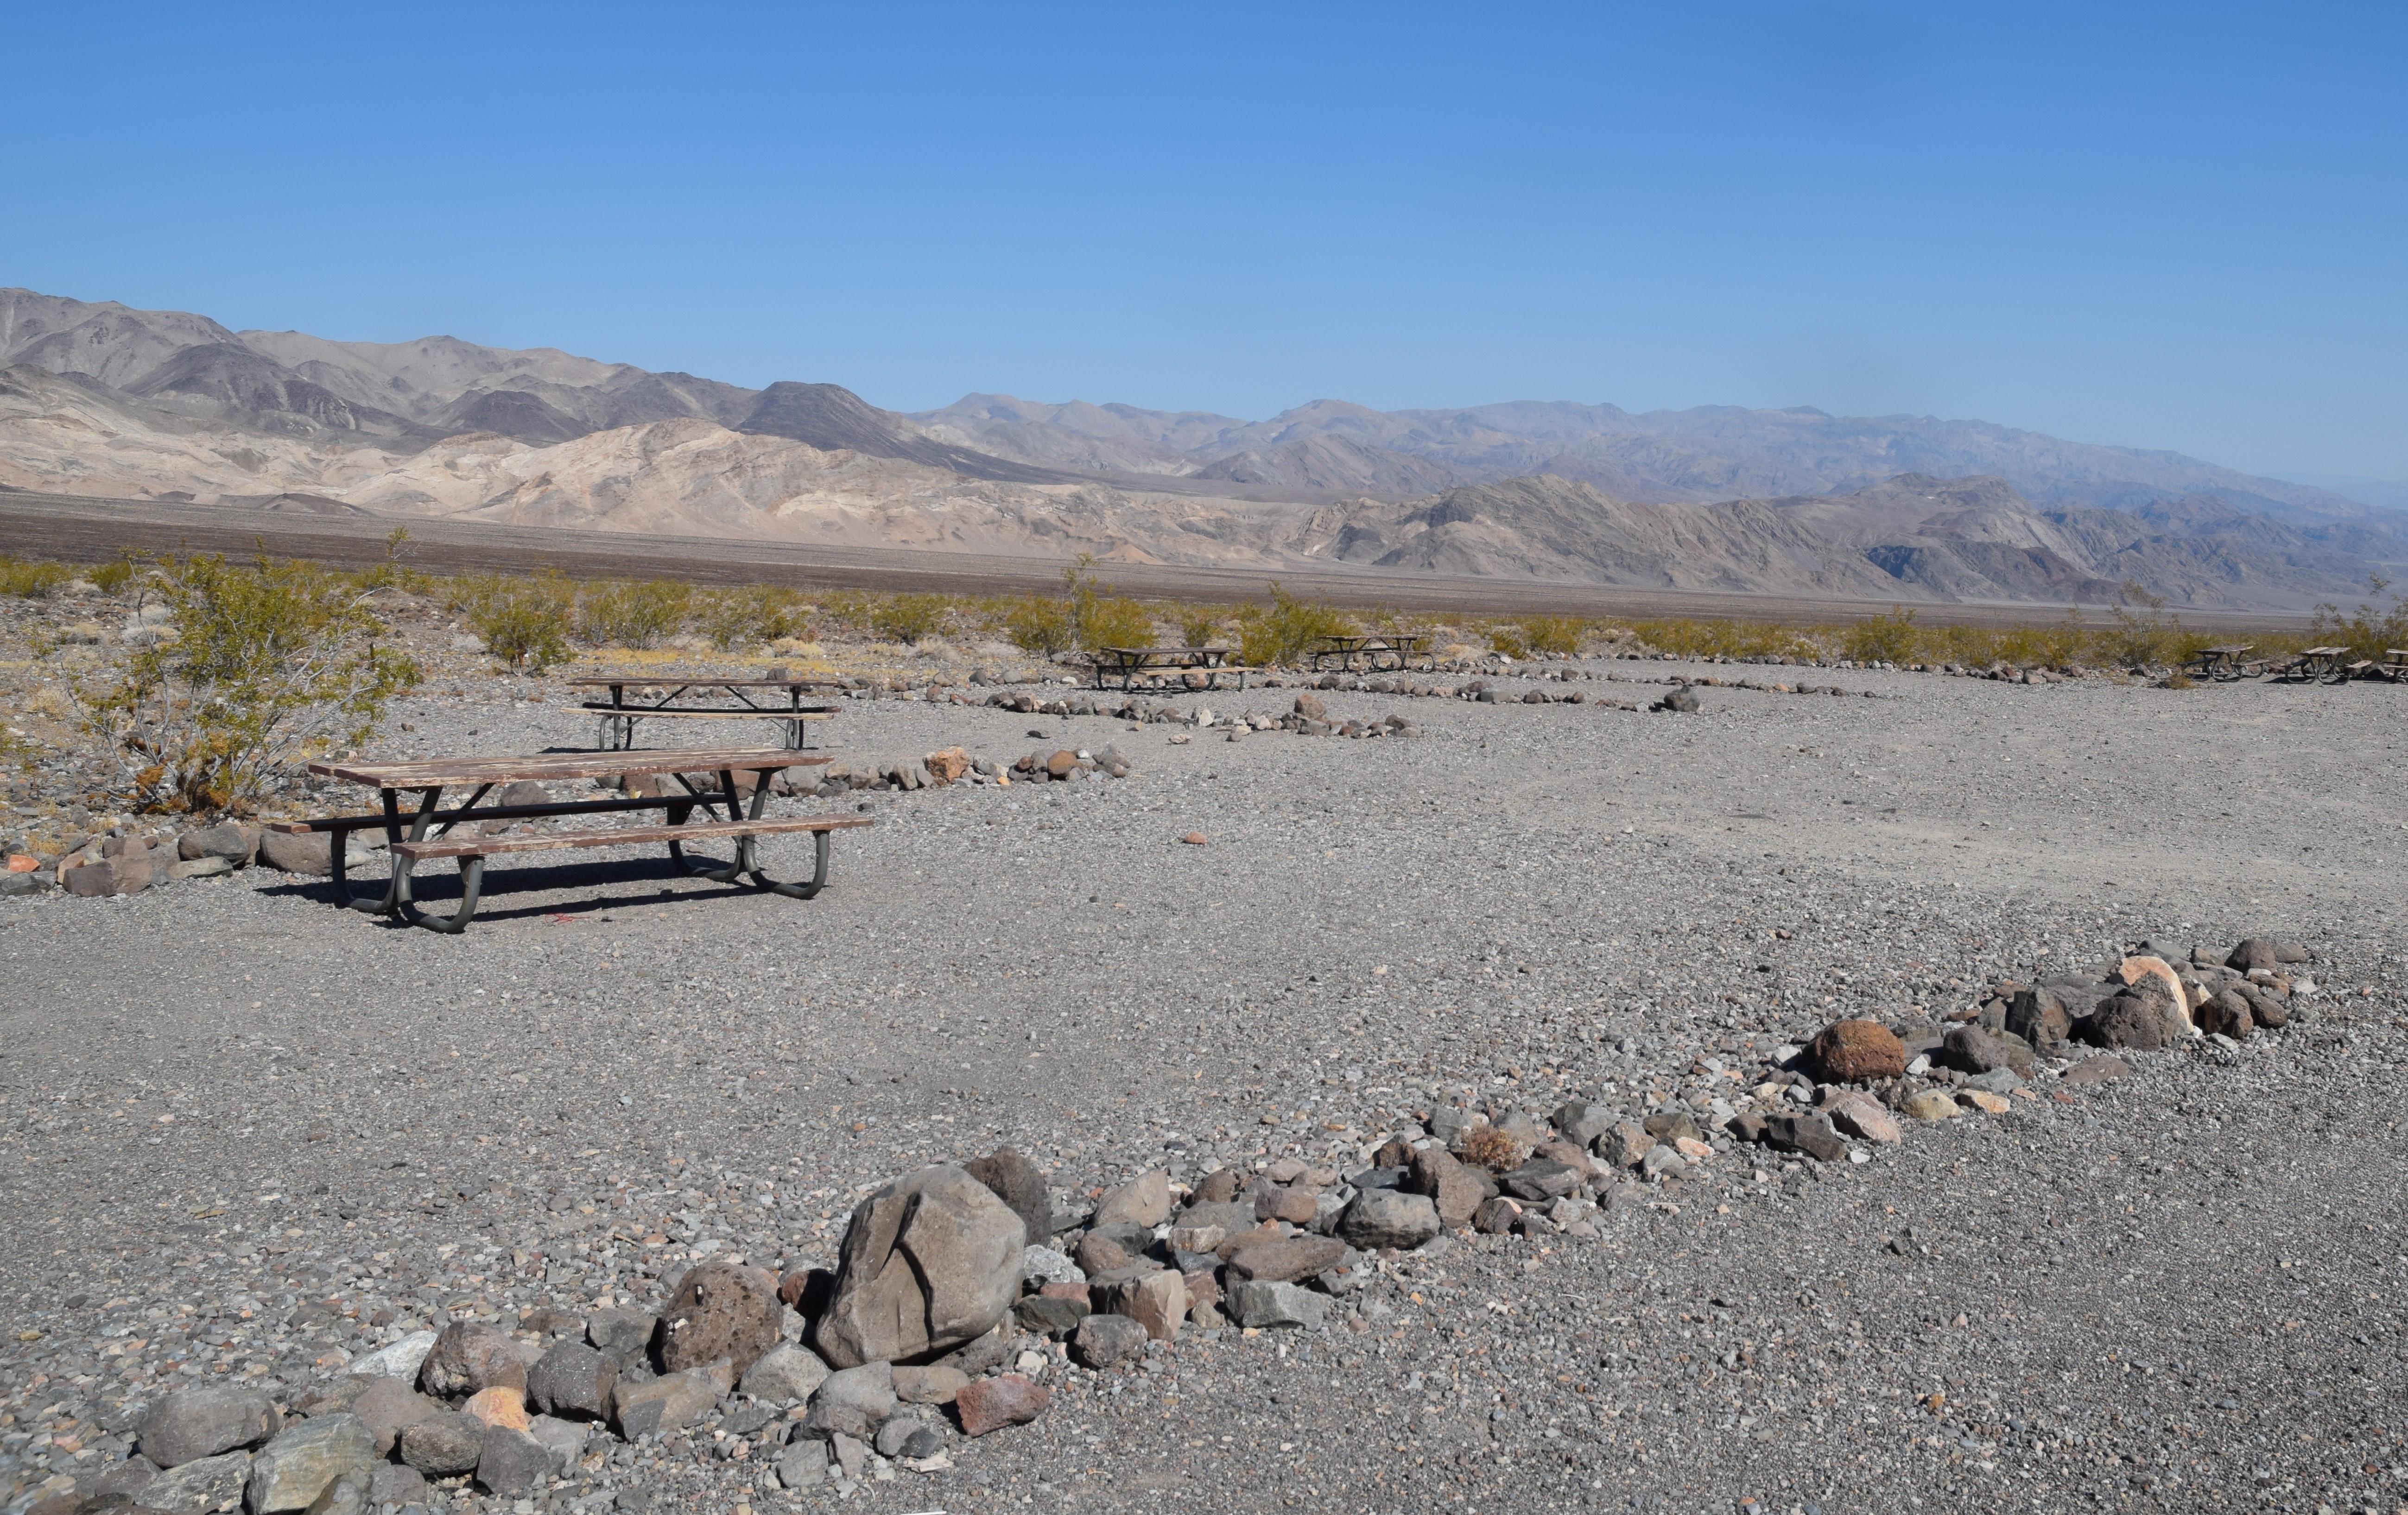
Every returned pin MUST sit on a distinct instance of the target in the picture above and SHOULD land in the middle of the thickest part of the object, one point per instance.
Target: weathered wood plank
(443, 773)
(625, 836)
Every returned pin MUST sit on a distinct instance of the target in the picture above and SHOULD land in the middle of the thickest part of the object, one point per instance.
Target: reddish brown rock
(946, 765)
(468, 1358)
(1289, 1259)
(991, 1403)
(1446, 1181)
(1294, 1206)
(720, 1312)
(1100, 1254)
(1157, 1301)
(1856, 1051)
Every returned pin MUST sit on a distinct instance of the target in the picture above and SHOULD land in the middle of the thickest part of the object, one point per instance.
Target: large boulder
(720, 1312)
(2039, 1016)
(1449, 1185)
(573, 1379)
(193, 1423)
(1974, 1050)
(2129, 1022)
(470, 1357)
(292, 1470)
(230, 840)
(852, 1403)
(669, 1402)
(202, 1487)
(1388, 1218)
(1144, 1200)
(785, 1374)
(928, 1262)
(1856, 1051)
(387, 1407)
(444, 1445)
(1019, 1184)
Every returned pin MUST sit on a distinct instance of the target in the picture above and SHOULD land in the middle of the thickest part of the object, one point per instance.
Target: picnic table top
(2232, 651)
(1382, 639)
(1166, 651)
(620, 681)
(439, 773)
(2324, 652)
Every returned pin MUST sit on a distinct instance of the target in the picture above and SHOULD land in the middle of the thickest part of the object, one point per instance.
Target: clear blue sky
(2174, 226)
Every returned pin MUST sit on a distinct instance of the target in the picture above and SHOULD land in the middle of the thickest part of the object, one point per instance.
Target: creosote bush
(1281, 631)
(1554, 636)
(909, 617)
(33, 580)
(641, 616)
(524, 619)
(269, 661)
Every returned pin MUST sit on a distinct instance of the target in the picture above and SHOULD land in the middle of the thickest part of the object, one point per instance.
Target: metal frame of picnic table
(1403, 649)
(429, 778)
(2222, 664)
(1133, 662)
(618, 718)
(2321, 664)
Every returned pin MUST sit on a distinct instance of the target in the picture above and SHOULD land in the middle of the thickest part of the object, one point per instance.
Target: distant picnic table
(417, 833)
(660, 697)
(1132, 664)
(1395, 650)
(2224, 664)
(2321, 663)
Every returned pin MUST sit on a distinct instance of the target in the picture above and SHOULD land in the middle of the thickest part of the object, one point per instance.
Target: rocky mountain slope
(102, 399)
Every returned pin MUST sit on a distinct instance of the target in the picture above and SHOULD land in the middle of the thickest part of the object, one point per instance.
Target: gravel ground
(227, 1104)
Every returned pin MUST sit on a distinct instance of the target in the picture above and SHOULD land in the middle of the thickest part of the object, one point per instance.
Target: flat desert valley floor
(228, 1103)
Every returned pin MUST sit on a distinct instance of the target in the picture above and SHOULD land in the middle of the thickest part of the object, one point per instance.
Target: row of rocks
(129, 858)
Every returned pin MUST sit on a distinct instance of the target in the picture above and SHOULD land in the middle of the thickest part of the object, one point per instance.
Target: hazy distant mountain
(98, 398)
(2376, 493)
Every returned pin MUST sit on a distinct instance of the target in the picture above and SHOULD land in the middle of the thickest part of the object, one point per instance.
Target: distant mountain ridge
(100, 398)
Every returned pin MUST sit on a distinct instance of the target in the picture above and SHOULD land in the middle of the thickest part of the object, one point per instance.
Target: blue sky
(2163, 227)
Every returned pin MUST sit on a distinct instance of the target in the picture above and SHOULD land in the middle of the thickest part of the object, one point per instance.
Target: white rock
(397, 1359)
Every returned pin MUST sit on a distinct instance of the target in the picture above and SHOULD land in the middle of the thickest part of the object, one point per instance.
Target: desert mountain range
(99, 399)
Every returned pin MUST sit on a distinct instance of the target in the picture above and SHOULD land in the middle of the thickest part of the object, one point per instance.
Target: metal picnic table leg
(472, 868)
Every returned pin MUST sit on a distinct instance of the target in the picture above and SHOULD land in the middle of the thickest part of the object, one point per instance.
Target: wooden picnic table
(1396, 649)
(657, 697)
(2224, 664)
(419, 832)
(1130, 663)
(2321, 663)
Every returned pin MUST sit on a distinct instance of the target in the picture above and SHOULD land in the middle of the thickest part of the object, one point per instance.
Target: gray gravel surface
(254, 1134)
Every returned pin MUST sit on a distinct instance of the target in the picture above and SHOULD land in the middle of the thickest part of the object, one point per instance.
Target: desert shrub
(2368, 631)
(524, 619)
(1487, 1146)
(907, 618)
(1279, 633)
(1198, 628)
(1688, 638)
(738, 618)
(2143, 634)
(1112, 621)
(112, 576)
(1038, 624)
(33, 580)
(1889, 638)
(632, 615)
(1505, 639)
(269, 661)
(1554, 636)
